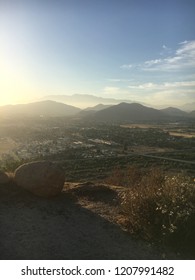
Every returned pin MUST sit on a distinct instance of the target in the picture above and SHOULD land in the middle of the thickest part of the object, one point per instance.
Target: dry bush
(116, 178)
(139, 203)
(124, 177)
(162, 208)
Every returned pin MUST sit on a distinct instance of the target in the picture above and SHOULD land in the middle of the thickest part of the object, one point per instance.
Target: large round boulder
(41, 178)
(4, 178)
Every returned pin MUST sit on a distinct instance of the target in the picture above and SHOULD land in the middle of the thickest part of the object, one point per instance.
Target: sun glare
(14, 87)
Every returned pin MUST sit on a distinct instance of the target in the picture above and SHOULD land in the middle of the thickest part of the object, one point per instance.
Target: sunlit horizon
(124, 50)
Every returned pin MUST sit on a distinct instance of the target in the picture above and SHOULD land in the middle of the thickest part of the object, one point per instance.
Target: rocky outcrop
(4, 178)
(41, 178)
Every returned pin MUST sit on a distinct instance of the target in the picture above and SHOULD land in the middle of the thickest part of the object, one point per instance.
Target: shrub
(162, 208)
(124, 177)
(10, 165)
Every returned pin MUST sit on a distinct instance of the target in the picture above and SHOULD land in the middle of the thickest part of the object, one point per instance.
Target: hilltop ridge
(41, 108)
(122, 112)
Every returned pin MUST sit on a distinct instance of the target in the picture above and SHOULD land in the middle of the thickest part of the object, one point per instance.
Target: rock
(41, 178)
(4, 179)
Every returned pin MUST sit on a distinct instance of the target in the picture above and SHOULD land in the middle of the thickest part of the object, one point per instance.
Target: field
(182, 134)
(90, 151)
(174, 129)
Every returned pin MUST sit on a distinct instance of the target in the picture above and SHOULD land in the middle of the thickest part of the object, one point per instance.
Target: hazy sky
(141, 50)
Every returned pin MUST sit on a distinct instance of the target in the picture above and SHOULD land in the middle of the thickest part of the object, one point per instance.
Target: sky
(140, 50)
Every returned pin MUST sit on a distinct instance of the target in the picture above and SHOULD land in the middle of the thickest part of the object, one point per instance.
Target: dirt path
(61, 228)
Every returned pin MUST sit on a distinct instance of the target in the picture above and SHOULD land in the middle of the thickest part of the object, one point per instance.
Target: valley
(92, 150)
(110, 159)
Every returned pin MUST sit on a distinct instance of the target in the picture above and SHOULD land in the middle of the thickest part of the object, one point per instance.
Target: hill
(192, 114)
(44, 108)
(188, 107)
(92, 110)
(128, 112)
(174, 112)
(98, 107)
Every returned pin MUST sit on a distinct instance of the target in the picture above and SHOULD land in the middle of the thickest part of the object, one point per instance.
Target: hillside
(90, 111)
(174, 112)
(192, 114)
(98, 107)
(125, 112)
(43, 108)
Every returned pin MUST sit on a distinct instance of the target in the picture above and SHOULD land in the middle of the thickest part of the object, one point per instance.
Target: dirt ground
(79, 224)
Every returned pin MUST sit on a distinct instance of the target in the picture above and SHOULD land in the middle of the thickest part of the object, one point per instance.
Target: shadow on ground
(59, 228)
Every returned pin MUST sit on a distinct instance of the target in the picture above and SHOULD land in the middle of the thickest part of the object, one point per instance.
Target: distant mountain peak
(172, 111)
(84, 100)
(40, 108)
(128, 112)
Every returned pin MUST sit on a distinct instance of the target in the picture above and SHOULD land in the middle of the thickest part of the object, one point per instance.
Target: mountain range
(84, 100)
(88, 102)
(125, 112)
(122, 112)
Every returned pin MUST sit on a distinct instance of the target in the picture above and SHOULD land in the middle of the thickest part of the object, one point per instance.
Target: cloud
(119, 80)
(164, 86)
(166, 50)
(155, 94)
(167, 97)
(180, 84)
(187, 49)
(143, 86)
(111, 90)
(114, 80)
(153, 62)
(184, 42)
(174, 93)
(183, 59)
(126, 66)
(165, 47)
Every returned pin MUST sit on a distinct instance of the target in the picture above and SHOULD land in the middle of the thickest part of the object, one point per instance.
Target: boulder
(41, 178)
(4, 178)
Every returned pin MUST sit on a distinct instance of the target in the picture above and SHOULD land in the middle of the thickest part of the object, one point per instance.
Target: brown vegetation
(159, 207)
(147, 203)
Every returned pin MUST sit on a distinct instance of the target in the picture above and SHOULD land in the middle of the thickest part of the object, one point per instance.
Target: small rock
(4, 179)
(41, 178)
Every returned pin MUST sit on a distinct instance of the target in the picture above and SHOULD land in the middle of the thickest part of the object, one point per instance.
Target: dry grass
(182, 134)
(159, 207)
(125, 177)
